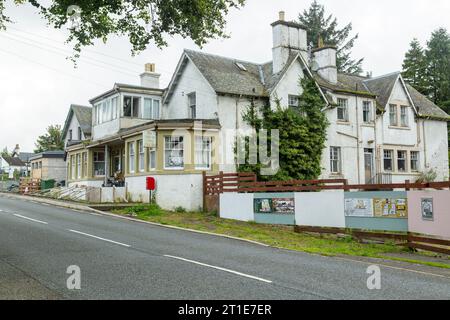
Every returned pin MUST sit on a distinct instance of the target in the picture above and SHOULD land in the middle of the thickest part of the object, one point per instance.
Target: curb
(90, 210)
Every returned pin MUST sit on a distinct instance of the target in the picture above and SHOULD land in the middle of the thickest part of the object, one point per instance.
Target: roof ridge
(223, 57)
(384, 76)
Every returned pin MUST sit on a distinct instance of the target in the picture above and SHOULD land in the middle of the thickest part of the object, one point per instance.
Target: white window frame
(342, 104)
(154, 108)
(78, 157)
(335, 157)
(391, 152)
(72, 166)
(131, 157)
(367, 109)
(192, 108)
(405, 159)
(293, 101)
(393, 112)
(152, 164)
(199, 148)
(404, 121)
(95, 154)
(141, 156)
(171, 138)
(416, 160)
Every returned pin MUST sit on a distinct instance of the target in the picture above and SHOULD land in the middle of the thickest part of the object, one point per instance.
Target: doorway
(368, 165)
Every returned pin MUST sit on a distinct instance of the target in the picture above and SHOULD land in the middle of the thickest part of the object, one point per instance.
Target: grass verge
(277, 236)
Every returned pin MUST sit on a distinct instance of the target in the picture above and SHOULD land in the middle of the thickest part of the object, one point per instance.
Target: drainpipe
(357, 137)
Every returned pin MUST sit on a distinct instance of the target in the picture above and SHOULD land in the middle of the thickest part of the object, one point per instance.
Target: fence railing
(247, 182)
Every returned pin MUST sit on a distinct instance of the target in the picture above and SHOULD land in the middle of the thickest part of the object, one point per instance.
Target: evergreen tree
(51, 140)
(414, 66)
(320, 26)
(438, 67)
(302, 135)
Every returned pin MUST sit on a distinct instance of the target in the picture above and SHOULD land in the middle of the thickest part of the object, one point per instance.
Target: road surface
(121, 259)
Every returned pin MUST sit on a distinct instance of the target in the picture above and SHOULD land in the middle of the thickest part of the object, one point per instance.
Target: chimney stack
(324, 63)
(16, 151)
(288, 37)
(150, 78)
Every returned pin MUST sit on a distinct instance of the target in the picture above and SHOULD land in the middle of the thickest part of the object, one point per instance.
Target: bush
(180, 209)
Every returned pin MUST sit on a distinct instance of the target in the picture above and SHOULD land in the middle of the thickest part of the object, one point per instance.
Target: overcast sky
(38, 84)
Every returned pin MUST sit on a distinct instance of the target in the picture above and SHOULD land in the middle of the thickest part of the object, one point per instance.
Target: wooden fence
(246, 182)
(410, 240)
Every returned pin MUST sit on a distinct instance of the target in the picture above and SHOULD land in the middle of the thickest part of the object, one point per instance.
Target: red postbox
(150, 183)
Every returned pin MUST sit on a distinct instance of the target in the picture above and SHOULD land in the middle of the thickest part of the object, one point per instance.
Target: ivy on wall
(302, 135)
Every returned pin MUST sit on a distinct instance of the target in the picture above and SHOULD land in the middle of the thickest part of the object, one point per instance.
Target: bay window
(79, 166)
(151, 159)
(140, 146)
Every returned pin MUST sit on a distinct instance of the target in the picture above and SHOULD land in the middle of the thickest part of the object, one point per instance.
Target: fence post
(407, 185)
(220, 182)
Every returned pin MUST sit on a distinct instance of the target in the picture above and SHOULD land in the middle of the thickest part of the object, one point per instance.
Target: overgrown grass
(278, 236)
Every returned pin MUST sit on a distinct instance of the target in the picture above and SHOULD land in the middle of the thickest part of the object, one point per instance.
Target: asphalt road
(121, 259)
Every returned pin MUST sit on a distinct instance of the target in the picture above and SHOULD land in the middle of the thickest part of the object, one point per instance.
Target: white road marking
(99, 238)
(31, 219)
(219, 268)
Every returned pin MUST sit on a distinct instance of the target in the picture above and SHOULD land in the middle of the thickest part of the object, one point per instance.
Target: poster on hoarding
(390, 208)
(283, 205)
(263, 205)
(358, 208)
(427, 208)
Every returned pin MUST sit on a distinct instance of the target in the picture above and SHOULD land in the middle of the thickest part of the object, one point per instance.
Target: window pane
(173, 152)
(136, 107)
(147, 109)
(155, 109)
(203, 152)
(127, 101)
(99, 163)
(388, 160)
(393, 115)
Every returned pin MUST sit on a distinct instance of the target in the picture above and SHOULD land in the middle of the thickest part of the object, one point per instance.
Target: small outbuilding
(48, 165)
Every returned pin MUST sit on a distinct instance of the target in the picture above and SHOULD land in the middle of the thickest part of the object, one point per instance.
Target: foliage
(180, 209)
(142, 210)
(438, 66)
(51, 140)
(302, 135)
(320, 26)
(142, 21)
(5, 152)
(414, 66)
(427, 176)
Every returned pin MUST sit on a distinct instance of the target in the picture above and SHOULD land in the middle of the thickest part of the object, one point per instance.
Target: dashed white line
(99, 238)
(219, 268)
(31, 219)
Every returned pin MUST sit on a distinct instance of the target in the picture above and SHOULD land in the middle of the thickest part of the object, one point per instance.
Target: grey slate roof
(25, 156)
(14, 161)
(382, 87)
(84, 116)
(225, 76)
(425, 106)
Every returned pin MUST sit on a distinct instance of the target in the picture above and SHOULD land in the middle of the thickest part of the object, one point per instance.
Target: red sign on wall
(150, 183)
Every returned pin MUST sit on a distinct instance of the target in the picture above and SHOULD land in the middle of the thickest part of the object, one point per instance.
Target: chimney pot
(150, 67)
(282, 15)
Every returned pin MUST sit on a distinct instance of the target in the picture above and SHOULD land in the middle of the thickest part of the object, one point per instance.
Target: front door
(368, 165)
